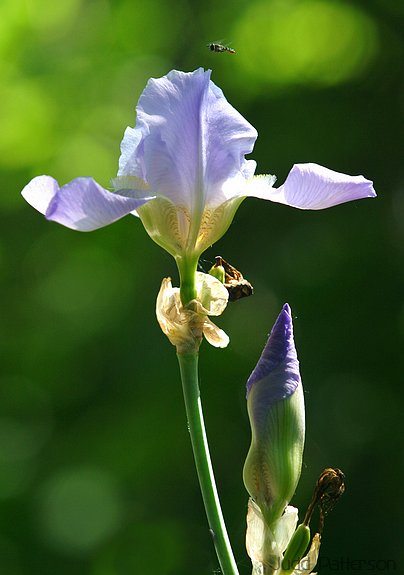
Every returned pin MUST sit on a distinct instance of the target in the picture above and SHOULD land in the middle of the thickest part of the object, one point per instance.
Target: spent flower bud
(186, 326)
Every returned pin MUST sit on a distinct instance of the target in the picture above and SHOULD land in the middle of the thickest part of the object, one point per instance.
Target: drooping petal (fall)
(40, 192)
(313, 187)
(82, 204)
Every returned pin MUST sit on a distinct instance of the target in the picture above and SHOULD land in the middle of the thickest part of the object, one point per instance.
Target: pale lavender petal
(82, 204)
(313, 187)
(277, 370)
(131, 158)
(260, 186)
(227, 138)
(40, 191)
(188, 141)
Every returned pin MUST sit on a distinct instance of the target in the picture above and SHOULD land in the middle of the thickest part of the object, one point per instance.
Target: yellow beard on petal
(215, 222)
(166, 223)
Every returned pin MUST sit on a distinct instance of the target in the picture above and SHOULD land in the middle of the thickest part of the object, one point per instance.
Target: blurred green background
(96, 470)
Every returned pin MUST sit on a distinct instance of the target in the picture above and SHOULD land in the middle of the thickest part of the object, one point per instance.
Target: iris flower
(183, 171)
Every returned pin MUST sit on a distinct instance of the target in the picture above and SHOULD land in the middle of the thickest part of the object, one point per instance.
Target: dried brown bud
(329, 488)
(234, 282)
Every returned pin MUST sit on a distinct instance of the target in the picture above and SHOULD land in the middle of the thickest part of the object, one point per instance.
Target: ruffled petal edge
(82, 204)
(314, 187)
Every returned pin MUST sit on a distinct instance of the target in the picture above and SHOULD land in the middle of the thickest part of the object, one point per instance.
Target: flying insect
(220, 48)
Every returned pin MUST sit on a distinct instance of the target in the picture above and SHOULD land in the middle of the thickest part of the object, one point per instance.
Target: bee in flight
(220, 48)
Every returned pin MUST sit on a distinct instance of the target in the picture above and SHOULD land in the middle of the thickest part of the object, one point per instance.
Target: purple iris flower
(183, 171)
(276, 410)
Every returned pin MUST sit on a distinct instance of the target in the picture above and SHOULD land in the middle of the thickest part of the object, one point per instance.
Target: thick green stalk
(189, 375)
(187, 268)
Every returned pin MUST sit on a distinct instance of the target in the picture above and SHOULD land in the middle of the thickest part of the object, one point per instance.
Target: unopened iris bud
(276, 411)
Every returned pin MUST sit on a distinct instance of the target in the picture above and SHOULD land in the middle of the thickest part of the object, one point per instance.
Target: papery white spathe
(266, 545)
(184, 327)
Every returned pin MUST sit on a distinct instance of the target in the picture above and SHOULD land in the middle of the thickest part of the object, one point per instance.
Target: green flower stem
(187, 268)
(189, 375)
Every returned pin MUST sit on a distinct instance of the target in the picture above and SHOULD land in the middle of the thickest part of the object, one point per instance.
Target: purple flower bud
(276, 411)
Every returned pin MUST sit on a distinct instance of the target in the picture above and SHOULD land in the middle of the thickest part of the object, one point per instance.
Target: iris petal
(82, 204)
(188, 141)
(313, 187)
(40, 192)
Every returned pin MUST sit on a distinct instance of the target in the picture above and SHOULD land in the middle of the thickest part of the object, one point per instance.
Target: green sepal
(296, 549)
